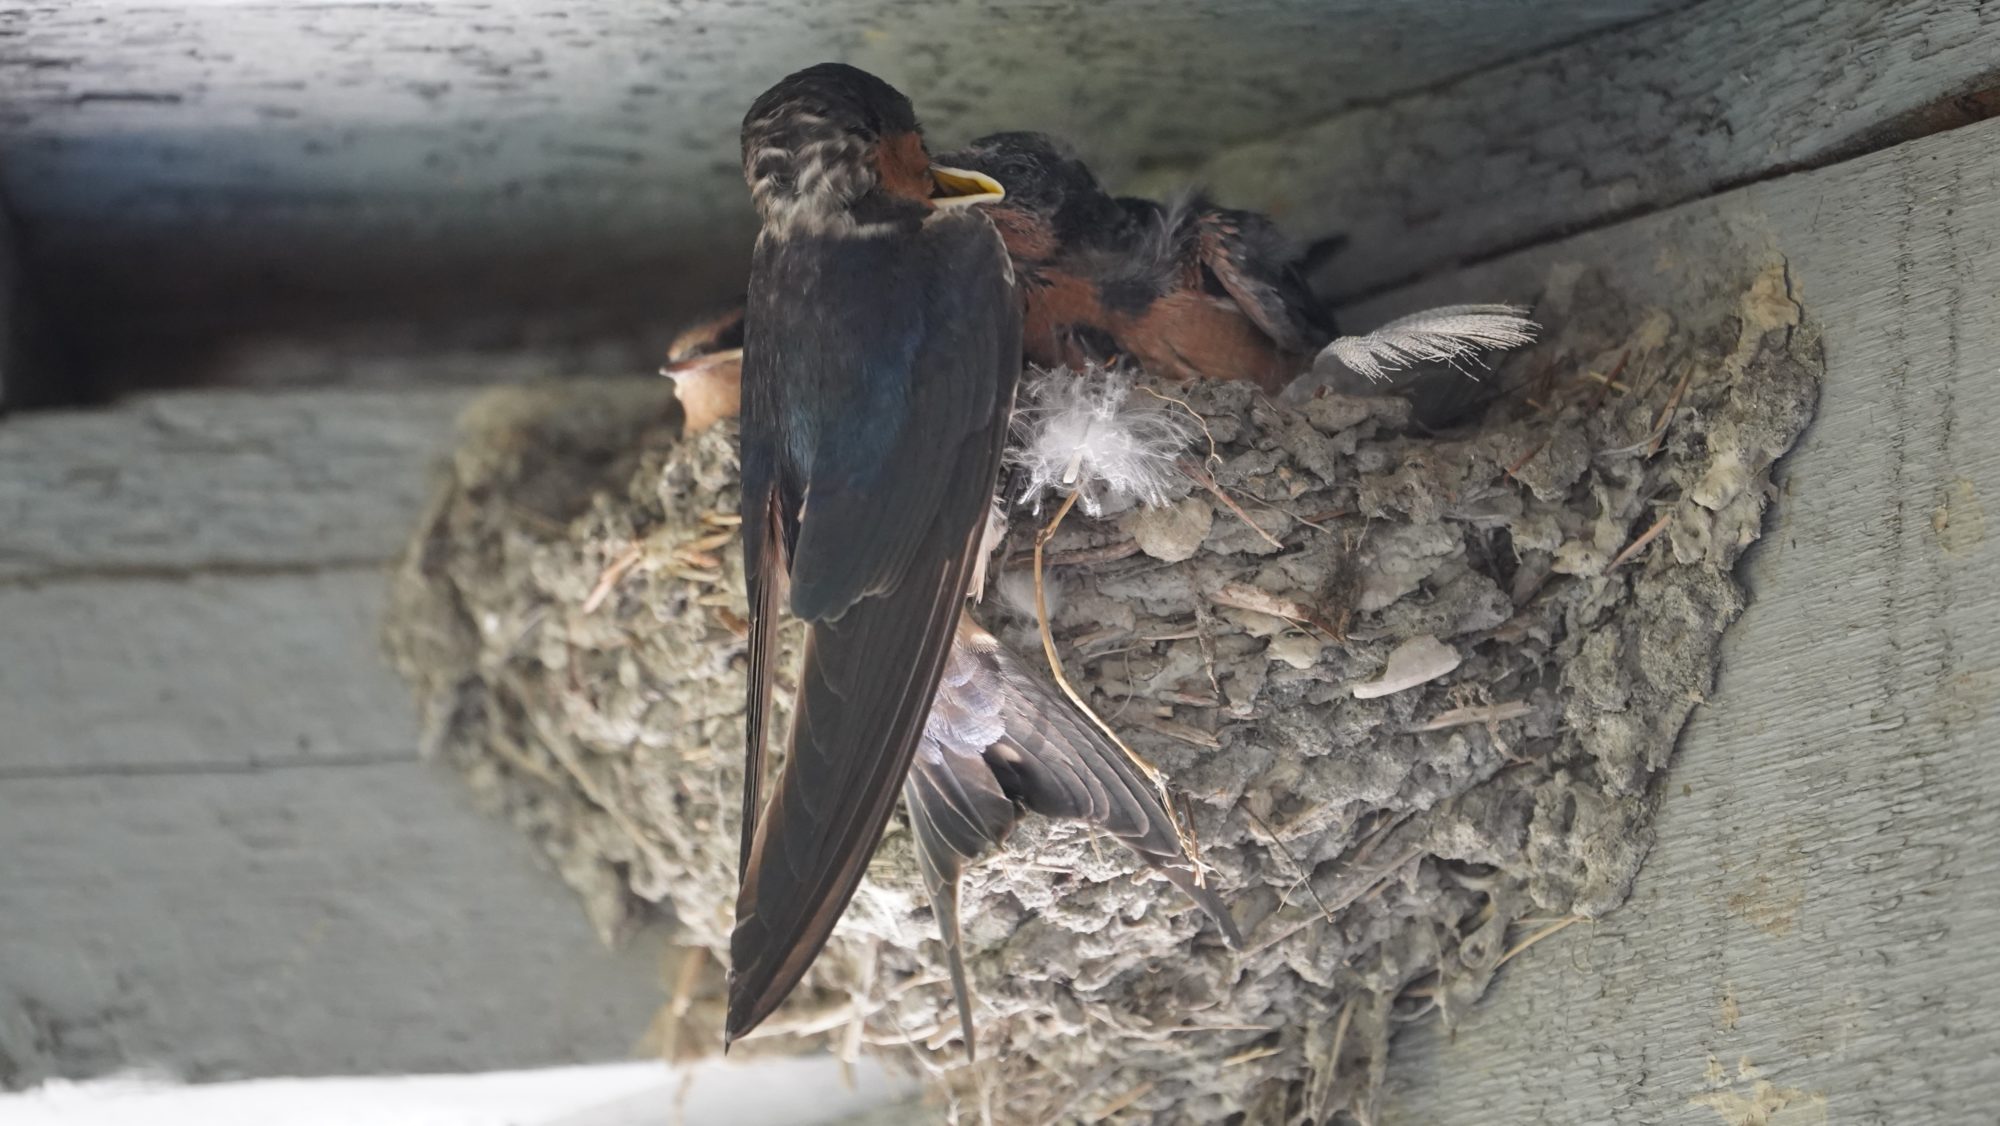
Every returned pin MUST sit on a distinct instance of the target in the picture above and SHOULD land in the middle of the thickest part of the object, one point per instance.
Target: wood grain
(182, 482)
(1710, 96)
(293, 922)
(1807, 942)
(562, 175)
(210, 672)
(223, 855)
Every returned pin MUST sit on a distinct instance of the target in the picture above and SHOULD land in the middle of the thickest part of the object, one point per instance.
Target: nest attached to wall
(1418, 690)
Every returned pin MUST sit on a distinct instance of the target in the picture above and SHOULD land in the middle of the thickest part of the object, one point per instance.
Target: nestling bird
(1189, 291)
(705, 361)
(1000, 742)
(882, 347)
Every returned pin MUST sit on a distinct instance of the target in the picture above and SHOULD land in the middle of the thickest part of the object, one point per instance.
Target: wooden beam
(223, 857)
(308, 921)
(1711, 96)
(206, 480)
(209, 179)
(209, 672)
(1808, 942)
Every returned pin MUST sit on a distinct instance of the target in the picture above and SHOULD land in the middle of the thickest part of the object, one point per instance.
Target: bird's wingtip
(741, 1019)
(742, 1015)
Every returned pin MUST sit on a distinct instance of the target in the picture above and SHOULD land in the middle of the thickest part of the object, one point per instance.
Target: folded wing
(878, 378)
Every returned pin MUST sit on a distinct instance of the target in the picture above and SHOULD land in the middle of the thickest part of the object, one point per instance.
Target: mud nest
(1418, 689)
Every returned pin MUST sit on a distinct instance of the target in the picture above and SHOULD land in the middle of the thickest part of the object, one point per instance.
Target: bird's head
(1052, 195)
(718, 332)
(833, 148)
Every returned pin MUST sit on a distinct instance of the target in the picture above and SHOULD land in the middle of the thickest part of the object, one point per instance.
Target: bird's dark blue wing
(878, 378)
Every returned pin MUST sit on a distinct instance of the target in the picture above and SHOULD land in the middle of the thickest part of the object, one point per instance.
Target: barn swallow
(1190, 291)
(1000, 742)
(882, 346)
(705, 361)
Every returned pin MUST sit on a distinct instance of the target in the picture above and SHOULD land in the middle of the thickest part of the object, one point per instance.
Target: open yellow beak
(960, 187)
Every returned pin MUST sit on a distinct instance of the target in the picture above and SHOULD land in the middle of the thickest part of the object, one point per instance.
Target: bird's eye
(775, 172)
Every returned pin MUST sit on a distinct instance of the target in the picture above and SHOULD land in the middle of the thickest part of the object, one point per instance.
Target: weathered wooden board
(140, 113)
(222, 855)
(195, 480)
(562, 175)
(212, 671)
(302, 921)
(1713, 95)
(1810, 941)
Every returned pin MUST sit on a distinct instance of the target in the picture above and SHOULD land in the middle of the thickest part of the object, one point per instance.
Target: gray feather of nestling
(1446, 334)
(1000, 743)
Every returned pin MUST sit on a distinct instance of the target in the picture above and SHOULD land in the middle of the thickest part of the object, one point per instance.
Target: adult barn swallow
(882, 346)
(705, 361)
(1000, 742)
(1189, 290)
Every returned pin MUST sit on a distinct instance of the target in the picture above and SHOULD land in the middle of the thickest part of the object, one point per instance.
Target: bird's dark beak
(961, 187)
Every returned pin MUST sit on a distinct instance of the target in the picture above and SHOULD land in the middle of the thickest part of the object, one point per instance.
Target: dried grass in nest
(570, 616)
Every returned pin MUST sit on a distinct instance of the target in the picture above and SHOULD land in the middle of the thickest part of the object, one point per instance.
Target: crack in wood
(183, 769)
(164, 572)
